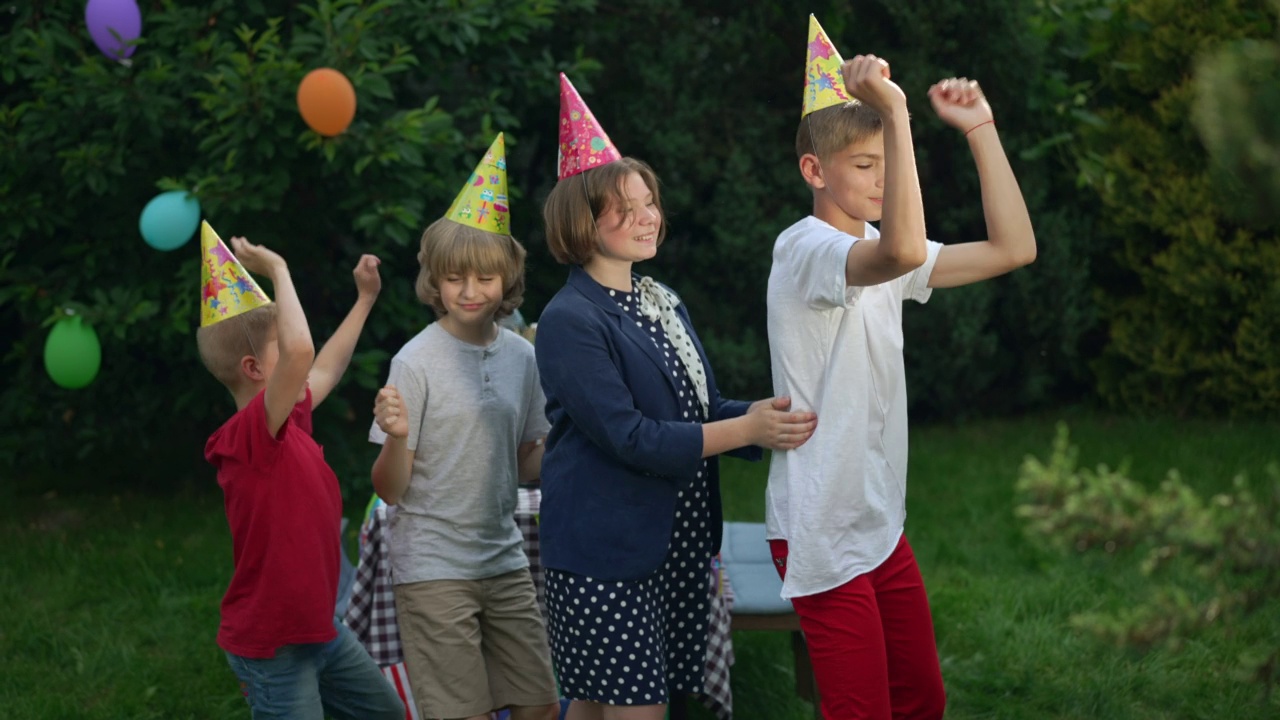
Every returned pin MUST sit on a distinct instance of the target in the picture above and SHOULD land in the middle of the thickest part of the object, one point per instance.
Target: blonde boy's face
(471, 299)
(854, 179)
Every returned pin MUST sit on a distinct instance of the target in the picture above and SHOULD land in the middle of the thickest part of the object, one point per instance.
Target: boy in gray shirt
(461, 422)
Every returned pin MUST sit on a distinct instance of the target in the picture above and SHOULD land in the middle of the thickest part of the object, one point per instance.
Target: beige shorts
(472, 646)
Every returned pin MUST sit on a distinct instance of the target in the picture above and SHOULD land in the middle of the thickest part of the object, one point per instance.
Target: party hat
(483, 201)
(823, 86)
(583, 144)
(227, 288)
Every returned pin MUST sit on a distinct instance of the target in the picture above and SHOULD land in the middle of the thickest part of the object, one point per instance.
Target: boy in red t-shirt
(293, 658)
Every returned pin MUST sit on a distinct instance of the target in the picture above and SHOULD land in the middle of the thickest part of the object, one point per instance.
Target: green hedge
(1191, 304)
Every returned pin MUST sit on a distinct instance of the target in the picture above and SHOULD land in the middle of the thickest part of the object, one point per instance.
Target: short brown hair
(832, 129)
(224, 343)
(451, 247)
(575, 202)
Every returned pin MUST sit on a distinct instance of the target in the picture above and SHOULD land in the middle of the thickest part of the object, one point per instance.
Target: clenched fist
(388, 410)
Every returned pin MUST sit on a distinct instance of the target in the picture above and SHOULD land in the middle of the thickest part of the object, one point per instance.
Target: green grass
(111, 600)
(1001, 608)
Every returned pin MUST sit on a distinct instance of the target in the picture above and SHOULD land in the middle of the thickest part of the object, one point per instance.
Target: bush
(1190, 305)
(1230, 543)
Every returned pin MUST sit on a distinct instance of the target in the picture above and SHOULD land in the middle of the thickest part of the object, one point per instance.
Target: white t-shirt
(839, 500)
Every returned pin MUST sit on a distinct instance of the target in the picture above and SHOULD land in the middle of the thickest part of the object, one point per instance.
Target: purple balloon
(122, 16)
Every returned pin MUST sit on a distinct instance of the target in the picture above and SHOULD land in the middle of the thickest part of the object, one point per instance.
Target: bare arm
(334, 357)
(293, 336)
(392, 470)
(901, 247)
(768, 424)
(1011, 242)
(529, 457)
(394, 466)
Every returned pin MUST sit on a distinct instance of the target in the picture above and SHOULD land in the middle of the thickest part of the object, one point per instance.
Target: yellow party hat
(823, 86)
(483, 201)
(227, 288)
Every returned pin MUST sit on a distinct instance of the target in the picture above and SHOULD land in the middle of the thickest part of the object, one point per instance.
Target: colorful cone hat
(227, 289)
(583, 143)
(823, 86)
(483, 201)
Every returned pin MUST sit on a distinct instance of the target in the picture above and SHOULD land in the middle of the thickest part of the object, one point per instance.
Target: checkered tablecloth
(717, 695)
(371, 614)
(528, 503)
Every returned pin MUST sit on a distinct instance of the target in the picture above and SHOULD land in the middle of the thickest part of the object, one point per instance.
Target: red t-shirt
(285, 513)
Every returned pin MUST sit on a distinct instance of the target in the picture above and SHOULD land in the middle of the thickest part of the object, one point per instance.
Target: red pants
(871, 642)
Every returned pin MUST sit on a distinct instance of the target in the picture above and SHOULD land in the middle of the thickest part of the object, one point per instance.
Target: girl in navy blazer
(630, 514)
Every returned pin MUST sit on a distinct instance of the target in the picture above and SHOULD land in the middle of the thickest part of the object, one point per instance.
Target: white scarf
(659, 305)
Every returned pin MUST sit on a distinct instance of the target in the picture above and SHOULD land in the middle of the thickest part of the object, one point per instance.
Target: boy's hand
(388, 410)
(368, 281)
(866, 77)
(960, 103)
(256, 258)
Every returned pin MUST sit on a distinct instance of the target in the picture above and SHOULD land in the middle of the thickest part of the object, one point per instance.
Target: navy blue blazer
(619, 448)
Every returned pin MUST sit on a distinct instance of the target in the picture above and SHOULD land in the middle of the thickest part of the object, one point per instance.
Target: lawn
(112, 600)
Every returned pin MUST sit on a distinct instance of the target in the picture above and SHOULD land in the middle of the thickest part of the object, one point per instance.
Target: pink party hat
(823, 86)
(583, 143)
(227, 289)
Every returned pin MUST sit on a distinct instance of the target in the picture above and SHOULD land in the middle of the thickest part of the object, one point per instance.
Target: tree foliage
(1085, 91)
(207, 104)
(1189, 300)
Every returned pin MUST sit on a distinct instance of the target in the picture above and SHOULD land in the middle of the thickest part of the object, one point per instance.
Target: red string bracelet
(975, 127)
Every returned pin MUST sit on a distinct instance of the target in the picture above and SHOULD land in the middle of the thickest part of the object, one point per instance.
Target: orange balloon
(327, 101)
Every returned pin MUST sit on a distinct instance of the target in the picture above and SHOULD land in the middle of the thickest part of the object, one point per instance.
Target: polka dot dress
(635, 642)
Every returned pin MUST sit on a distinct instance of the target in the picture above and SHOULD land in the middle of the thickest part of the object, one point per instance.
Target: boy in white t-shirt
(836, 506)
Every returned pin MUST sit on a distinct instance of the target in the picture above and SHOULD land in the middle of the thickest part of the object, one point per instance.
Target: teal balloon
(170, 219)
(72, 354)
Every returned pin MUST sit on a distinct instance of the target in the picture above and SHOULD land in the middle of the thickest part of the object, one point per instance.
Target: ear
(811, 171)
(252, 369)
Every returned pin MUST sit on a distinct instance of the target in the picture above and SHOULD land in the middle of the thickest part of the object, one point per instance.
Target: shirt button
(486, 378)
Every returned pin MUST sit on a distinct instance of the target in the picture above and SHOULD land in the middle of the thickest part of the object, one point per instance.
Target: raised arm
(293, 338)
(901, 246)
(334, 357)
(1011, 241)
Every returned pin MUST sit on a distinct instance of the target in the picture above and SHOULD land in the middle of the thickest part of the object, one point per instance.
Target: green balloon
(72, 354)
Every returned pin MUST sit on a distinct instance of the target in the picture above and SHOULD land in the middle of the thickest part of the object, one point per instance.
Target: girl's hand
(774, 427)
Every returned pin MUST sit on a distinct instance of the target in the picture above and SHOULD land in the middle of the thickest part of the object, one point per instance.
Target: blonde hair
(832, 129)
(575, 202)
(223, 344)
(449, 247)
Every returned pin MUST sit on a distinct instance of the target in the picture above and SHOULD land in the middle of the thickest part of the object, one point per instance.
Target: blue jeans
(308, 681)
